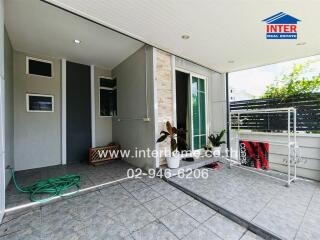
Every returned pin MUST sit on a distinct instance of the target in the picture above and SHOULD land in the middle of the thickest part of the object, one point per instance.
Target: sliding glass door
(198, 112)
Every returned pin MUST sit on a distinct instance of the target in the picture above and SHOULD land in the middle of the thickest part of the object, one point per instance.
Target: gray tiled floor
(224, 228)
(118, 212)
(90, 176)
(291, 213)
(179, 222)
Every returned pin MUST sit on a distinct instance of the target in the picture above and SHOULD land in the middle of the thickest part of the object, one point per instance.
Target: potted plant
(216, 142)
(208, 149)
(173, 134)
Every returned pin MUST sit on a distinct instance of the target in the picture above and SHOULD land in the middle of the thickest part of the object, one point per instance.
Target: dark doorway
(182, 104)
(78, 112)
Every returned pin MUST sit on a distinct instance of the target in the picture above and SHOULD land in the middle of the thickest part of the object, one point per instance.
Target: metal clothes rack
(291, 142)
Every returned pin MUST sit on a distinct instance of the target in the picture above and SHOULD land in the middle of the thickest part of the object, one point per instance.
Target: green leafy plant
(294, 83)
(173, 134)
(216, 139)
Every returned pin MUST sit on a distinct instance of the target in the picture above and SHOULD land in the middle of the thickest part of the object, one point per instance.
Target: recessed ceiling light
(185, 37)
(76, 41)
(301, 43)
(230, 61)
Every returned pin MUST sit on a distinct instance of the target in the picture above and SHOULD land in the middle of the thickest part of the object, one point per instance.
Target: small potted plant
(216, 142)
(173, 134)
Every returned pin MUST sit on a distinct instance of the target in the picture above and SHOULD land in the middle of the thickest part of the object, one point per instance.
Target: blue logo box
(281, 36)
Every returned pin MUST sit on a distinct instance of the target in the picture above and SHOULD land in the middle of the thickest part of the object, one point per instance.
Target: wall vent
(39, 67)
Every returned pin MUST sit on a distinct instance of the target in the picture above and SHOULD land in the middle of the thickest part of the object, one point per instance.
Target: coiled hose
(52, 186)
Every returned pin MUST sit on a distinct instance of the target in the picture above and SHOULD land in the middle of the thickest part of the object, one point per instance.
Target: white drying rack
(291, 143)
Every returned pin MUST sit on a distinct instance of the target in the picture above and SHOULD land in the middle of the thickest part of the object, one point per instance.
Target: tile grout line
(245, 232)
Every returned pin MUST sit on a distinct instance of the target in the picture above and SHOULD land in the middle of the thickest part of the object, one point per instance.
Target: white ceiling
(37, 27)
(220, 30)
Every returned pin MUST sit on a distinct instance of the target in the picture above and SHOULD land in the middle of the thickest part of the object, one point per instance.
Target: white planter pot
(216, 151)
(174, 161)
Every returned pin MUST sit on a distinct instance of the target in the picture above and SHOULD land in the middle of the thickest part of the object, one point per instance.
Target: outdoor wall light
(76, 41)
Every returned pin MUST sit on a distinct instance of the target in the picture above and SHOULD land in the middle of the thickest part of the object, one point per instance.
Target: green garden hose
(52, 186)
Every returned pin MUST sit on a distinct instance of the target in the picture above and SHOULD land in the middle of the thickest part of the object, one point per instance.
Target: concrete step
(187, 166)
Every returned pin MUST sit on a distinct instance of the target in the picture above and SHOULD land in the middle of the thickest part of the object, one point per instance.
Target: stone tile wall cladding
(164, 93)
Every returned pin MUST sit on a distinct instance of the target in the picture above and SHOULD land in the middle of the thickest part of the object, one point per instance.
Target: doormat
(214, 166)
(254, 154)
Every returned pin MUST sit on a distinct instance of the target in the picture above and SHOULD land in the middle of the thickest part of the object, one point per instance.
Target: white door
(2, 147)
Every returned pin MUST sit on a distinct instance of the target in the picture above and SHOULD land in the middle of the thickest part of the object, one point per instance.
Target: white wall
(310, 152)
(217, 106)
(103, 124)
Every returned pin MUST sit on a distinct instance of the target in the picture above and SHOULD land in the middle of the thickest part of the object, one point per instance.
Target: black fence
(308, 114)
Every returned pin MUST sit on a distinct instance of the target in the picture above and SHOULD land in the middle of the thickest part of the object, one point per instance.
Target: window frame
(39, 60)
(38, 95)
(106, 88)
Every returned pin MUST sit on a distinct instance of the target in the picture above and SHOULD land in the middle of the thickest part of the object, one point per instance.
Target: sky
(256, 80)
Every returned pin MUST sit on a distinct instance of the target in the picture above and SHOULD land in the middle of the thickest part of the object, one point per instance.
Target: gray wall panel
(131, 133)
(8, 83)
(37, 136)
